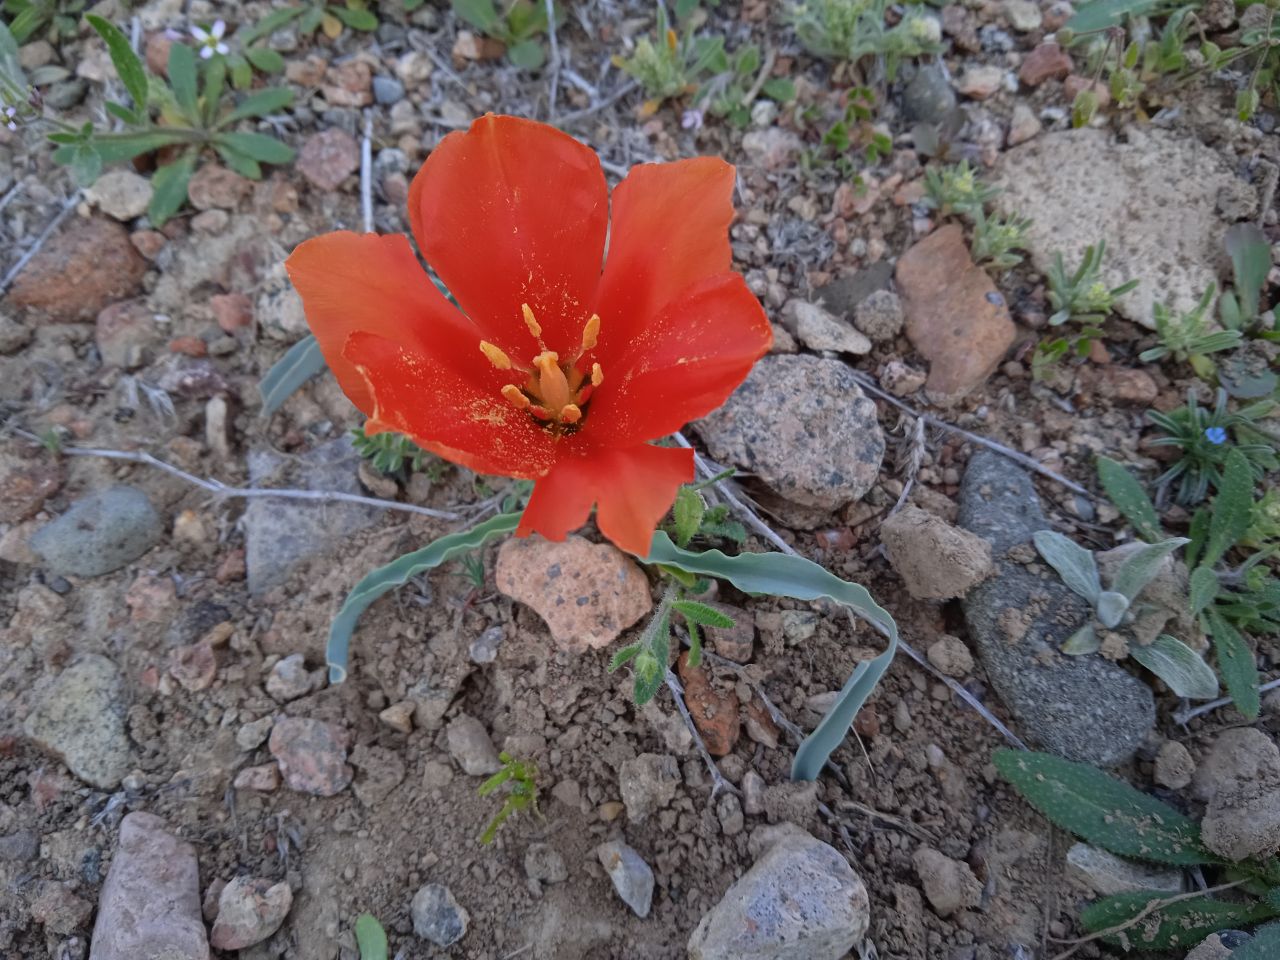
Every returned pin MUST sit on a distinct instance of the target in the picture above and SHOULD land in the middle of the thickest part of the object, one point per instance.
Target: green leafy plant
(1111, 814)
(473, 567)
(332, 18)
(248, 51)
(299, 364)
(853, 133)
(670, 65)
(1259, 43)
(53, 19)
(956, 189)
(730, 91)
(1206, 438)
(1081, 297)
(1186, 336)
(855, 30)
(1180, 667)
(520, 777)
(388, 453)
(1126, 493)
(195, 115)
(519, 27)
(996, 239)
(371, 939)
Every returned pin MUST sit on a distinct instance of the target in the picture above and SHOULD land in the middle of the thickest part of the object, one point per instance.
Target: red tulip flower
(551, 367)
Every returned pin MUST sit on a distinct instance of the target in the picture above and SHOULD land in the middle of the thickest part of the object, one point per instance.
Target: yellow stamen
(515, 397)
(531, 321)
(553, 387)
(495, 355)
(570, 414)
(591, 333)
(671, 40)
(597, 375)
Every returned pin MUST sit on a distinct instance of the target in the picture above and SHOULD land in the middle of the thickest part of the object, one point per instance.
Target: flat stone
(632, 877)
(101, 533)
(470, 745)
(879, 316)
(1236, 756)
(843, 295)
(282, 535)
(90, 264)
(543, 863)
(929, 98)
(936, 560)
(312, 755)
(150, 902)
(1082, 186)
(250, 909)
(1174, 767)
(380, 771)
(980, 82)
(949, 884)
(955, 316)
(647, 784)
(587, 593)
(800, 901)
(1106, 874)
(437, 916)
(214, 187)
(819, 330)
(120, 194)
(1082, 708)
(1048, 61)
(804, 427)
(328, 158)
(80, 717)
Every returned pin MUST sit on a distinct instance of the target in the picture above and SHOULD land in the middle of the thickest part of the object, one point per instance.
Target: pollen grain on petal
(495, 355)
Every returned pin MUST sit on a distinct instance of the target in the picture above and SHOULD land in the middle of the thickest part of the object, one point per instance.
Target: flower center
(553, 391)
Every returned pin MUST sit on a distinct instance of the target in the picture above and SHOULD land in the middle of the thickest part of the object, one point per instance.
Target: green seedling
(520, 777)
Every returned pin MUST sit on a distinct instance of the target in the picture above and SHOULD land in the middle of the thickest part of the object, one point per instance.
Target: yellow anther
(531, 321)
(671, 40)
(514, 396)
(570, 414)
(597, 375)
(591, 333)
(553, 387)
(495, 355)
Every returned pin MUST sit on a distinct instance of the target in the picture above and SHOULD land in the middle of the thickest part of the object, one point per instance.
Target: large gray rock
(150, 904)
(280, 535)
(100, 533)
(800, 901)
(1153, 198)
(80, 717)
(1083, 707)
(804, 427)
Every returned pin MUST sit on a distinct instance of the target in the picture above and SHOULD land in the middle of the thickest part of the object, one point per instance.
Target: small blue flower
(1215, 435)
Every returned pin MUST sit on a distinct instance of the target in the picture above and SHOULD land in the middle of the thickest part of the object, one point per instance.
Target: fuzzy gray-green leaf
(300, 363)
(1141, 566)
(1103, 810)
(1073, 562)
(1110, 608)
(1232, 508)
(1179, 666)
(1204, 587)
(1236, 664)
(1126, 493)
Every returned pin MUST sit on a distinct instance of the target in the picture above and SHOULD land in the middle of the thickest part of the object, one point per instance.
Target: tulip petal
(670, 230)
(450, 413)
(514, 212)
(681, 366)
(633, 486)
(350, 282)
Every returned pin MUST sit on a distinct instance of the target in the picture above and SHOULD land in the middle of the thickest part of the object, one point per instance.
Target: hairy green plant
(1082, 297)
(518, 26)
(853, 132)
(53, 20)
(729, 91)
(854, 30)
(521, 779)
(195, 115)
(388, 453)
(1206, 438)
(1186, 336)
(956, 189)
(996, 239)
(669, 64)
(371, 939)
(1180, 667)
(1111, 814)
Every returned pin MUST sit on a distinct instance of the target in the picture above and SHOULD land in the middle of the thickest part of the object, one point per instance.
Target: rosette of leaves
(1080, 296)
(1111, 814)
(1185, 672)
(956, 189)
(856, 30)
(1186, 336)
(518, 27)
(671, 64)
(195, 114)
(55, 20)
(728, 93)
(1206, 438)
